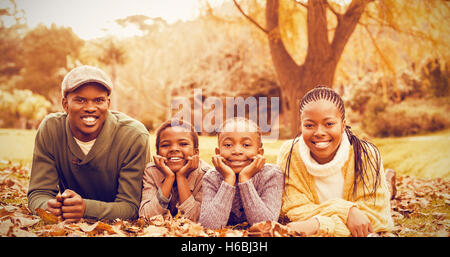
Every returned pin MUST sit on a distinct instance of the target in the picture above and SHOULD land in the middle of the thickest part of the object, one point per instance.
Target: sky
(90, 19)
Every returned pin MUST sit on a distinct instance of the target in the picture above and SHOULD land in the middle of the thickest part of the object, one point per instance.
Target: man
(88, 162)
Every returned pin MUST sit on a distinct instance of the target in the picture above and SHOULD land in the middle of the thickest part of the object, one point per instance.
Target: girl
(173, 181)
(334, 182)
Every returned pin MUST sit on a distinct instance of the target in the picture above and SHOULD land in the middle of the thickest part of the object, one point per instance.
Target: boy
(241, 187)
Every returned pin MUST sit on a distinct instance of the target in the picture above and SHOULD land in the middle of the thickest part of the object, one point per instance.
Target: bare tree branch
(374, 42)
(250, 18)
(338, 15)
(381, 23)
(302, 4)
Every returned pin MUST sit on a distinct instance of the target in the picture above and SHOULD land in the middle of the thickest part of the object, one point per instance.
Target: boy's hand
(190, 165)
(250, 170)
(358, 223)
(161, 164)
(73, 206)
(226, 171)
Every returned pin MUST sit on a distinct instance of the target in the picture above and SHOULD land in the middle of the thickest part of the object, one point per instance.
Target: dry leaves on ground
(414, 200)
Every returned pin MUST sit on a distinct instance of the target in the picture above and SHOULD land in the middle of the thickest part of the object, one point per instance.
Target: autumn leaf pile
(420, 208)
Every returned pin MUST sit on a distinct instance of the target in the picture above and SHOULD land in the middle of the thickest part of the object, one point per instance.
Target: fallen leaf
(48, 217)
(154, 231)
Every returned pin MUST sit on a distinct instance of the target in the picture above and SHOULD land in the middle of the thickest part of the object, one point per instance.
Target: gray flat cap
(82, 75)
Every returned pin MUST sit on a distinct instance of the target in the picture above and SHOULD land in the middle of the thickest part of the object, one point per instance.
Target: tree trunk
(322, 56)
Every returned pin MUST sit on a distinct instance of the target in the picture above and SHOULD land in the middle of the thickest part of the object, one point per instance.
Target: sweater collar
(327, 169)
(101, 143)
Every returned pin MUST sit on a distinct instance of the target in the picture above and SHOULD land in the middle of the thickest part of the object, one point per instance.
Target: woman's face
(176, 145)
(322, 127)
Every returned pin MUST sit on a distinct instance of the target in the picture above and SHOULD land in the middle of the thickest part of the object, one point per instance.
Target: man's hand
(227, 172)
(250, 170)
(54, 205)
(73, 206)
(358, 223)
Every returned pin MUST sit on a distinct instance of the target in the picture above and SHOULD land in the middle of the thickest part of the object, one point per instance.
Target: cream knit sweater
(301, 199)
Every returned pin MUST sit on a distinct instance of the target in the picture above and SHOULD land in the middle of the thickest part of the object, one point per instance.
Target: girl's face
(176, 145)
(322, 128)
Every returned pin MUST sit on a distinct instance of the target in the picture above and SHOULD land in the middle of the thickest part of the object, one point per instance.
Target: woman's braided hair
(366, 154)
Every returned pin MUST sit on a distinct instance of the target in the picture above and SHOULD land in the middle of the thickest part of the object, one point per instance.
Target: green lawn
(426, 156)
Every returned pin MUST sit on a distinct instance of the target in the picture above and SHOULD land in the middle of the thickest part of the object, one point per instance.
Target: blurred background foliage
(393, 72)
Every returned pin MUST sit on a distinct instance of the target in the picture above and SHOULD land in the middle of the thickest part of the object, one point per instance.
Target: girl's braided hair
(367, 156)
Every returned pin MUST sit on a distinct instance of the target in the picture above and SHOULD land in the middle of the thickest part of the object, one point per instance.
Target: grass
(426, 156)
(17, 145)
(419, 156)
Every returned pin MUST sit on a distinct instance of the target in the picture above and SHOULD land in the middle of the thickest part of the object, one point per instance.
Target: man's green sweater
(108, 178)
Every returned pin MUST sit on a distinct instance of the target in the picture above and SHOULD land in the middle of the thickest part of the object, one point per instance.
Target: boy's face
(239, 148)
(176, 145)
(86, 107)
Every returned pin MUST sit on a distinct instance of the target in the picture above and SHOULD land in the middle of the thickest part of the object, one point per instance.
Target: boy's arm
(266, 205)
(217, 201)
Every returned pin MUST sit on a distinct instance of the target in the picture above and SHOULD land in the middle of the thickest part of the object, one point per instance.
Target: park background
(388, 59)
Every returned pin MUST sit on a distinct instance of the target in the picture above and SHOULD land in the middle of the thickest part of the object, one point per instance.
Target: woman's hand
(308, 227)
(358, 223)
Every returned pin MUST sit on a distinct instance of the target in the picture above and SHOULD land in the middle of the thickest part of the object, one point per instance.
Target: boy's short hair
(176, 123)
(250, 124)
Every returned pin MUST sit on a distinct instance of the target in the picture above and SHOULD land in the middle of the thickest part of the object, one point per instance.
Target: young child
(173, 181)
(241, 187)
(334, 182)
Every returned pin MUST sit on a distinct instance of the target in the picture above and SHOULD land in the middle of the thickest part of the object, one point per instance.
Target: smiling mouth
(89, 120)
(237, 163)
(322, 144)
(175, 159)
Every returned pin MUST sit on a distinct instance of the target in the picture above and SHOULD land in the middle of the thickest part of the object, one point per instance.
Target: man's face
(87, 107)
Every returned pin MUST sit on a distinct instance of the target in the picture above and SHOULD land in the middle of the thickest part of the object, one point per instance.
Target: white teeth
(322, 144)
(89, 120)
(175, 158)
